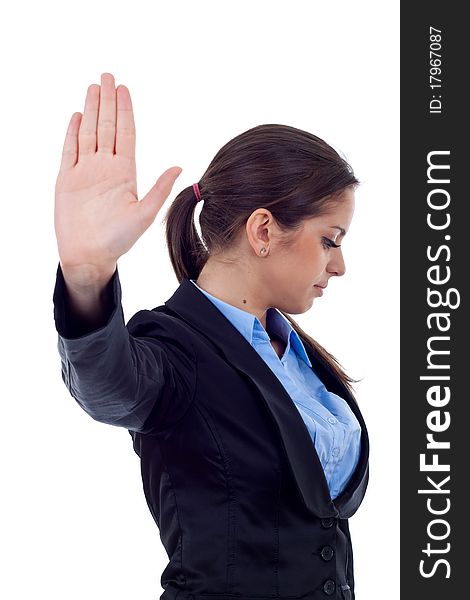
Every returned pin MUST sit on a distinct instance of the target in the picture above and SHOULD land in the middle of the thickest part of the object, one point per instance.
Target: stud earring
(262, 250)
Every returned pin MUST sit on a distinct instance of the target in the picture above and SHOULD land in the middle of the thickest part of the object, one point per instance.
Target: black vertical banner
(435, 270)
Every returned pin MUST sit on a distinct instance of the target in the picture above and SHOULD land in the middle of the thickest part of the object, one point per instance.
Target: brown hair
(293, 173)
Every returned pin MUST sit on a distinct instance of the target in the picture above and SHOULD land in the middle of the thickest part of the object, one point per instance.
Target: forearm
(98, 357)
(88, 297)
(120, 374)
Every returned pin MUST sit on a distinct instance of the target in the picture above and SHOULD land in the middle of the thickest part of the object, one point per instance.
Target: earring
(262, 250)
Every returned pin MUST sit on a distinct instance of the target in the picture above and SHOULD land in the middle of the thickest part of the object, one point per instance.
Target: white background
(74, 520)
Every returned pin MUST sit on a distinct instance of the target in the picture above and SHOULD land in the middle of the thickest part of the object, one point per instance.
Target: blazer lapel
(198, 311)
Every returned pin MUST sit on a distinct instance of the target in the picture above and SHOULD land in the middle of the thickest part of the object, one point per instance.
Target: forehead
(344, 204)
(339, 214)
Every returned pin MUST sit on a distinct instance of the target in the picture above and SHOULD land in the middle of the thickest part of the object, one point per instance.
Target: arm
(135, 376)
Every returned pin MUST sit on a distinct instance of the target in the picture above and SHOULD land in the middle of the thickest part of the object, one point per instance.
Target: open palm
(98, 216)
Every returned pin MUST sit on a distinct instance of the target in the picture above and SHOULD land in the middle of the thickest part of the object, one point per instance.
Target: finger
(153, 201)
(107, 115)
(87, 133)
(125, 127)
(70, 149)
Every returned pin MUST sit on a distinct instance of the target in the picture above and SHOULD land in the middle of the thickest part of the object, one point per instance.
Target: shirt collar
(251, 328)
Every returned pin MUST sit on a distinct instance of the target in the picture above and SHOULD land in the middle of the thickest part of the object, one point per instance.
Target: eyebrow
(343, 231)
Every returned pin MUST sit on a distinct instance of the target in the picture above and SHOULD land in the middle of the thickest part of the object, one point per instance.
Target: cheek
(304, 273)
(313, 261)
(303, 265)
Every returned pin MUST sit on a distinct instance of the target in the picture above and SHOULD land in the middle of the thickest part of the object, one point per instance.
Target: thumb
(159, 192)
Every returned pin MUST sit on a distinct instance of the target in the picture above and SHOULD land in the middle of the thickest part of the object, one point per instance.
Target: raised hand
(97, 214)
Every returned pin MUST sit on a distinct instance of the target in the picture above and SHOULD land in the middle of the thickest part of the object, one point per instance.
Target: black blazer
(230, 473)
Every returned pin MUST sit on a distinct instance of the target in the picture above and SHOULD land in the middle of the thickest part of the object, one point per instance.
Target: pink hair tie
(196, 191)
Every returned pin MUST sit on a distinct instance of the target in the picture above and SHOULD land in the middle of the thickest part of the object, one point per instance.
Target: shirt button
(328, 522)
(329, 587)
(331, 419)
(327, 552)
(335, 451)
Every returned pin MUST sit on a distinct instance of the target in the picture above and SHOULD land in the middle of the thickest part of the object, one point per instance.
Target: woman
(254, 452)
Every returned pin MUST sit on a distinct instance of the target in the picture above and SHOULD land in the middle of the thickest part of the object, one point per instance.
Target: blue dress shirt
(333, 427)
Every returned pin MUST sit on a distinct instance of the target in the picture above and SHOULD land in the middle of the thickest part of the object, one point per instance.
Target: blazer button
(327, 552)
(327, 522)
(329, 587)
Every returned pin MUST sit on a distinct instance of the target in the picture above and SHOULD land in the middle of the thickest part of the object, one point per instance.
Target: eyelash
(327, 243)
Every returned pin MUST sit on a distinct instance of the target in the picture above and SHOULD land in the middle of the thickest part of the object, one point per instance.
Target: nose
(336, 265)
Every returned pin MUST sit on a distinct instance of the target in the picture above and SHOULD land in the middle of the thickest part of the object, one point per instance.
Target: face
(296, 275)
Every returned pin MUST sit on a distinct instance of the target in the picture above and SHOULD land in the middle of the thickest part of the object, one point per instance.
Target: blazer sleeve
(139, 376)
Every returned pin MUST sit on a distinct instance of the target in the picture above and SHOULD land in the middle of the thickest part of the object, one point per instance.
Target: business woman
(253, 449)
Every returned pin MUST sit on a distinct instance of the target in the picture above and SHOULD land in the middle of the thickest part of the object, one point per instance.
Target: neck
(235, 284)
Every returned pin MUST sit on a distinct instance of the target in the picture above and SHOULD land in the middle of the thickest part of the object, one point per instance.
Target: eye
(327, 243)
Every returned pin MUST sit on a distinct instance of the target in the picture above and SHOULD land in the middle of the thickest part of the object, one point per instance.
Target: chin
(296, 309)
(297, 303)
